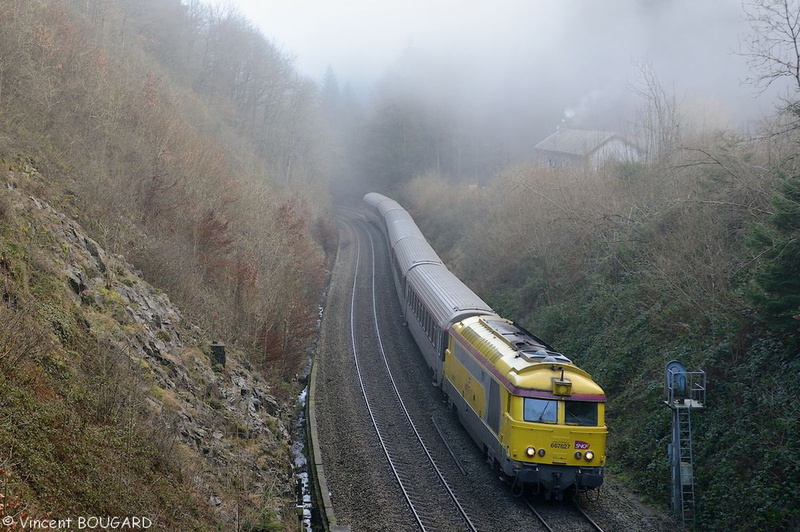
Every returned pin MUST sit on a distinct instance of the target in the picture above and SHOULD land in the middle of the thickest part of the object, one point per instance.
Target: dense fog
(477, 85)
(530, 63)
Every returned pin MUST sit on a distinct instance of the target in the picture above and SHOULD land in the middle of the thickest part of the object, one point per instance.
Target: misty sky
(568, 57)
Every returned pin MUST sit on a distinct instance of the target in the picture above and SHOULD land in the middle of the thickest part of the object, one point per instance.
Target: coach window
(581, 413)
(540, 410)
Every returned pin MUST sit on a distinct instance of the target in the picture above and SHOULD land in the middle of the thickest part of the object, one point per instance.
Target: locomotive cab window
(581, 413)
(540, 410)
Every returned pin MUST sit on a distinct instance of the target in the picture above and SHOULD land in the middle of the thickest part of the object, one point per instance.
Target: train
(539, 418)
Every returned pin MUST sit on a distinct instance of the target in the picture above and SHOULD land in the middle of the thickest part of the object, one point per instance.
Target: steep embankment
(109, 401)
(176, 135)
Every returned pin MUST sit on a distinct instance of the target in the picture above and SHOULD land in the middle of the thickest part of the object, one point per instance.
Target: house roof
(577, 142)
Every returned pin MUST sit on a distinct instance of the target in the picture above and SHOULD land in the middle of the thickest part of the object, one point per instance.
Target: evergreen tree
(775, 290)
(329, 94)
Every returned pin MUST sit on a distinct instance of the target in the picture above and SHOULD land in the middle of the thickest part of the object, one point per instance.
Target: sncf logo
(581, 444)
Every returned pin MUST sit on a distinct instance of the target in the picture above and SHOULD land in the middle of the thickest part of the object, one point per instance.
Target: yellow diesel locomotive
(539, 418)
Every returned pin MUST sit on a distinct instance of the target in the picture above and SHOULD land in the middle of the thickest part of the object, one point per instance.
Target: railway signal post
(685, 391)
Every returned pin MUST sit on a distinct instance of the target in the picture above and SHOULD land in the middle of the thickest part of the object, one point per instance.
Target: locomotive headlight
(589, 456)
(531, 452)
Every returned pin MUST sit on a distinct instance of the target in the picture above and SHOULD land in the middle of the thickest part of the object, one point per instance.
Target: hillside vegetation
(162, 187)
(694, 257)
(192, 170)
(185, 147)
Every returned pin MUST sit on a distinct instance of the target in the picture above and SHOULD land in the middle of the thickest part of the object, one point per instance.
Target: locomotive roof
(446, 297)
(411, 252)
(526, 343)
(520, 359)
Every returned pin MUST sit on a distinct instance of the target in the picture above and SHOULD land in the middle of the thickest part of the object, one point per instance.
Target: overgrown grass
(71, 465)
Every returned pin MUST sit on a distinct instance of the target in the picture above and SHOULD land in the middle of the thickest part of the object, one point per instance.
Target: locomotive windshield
(581, 413)
(541, 410)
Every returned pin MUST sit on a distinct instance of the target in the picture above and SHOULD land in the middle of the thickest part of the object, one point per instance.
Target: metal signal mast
(686, 391)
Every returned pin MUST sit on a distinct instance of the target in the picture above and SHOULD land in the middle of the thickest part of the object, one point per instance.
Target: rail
(570, 522)
(416, 502)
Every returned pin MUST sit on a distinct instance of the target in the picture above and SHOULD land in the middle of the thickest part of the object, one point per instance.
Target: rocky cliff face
(223, 422)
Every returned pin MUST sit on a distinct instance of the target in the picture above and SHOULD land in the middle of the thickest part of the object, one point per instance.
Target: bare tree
(773, 54)
(658, 120)
(773, 46)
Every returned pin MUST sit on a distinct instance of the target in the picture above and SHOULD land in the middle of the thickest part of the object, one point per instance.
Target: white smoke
(581, 115)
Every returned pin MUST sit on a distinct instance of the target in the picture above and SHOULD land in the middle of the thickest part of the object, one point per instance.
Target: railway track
(364, 492)
(430, 499)
(562, 517)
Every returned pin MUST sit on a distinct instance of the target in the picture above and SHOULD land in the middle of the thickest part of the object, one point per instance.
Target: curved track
(378, 474)
(430, 499)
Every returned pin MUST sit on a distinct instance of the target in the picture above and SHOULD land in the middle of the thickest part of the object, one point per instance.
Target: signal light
(531, 452)
(561, 386)
(589, 456)
(578, 455)
(541, 451)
